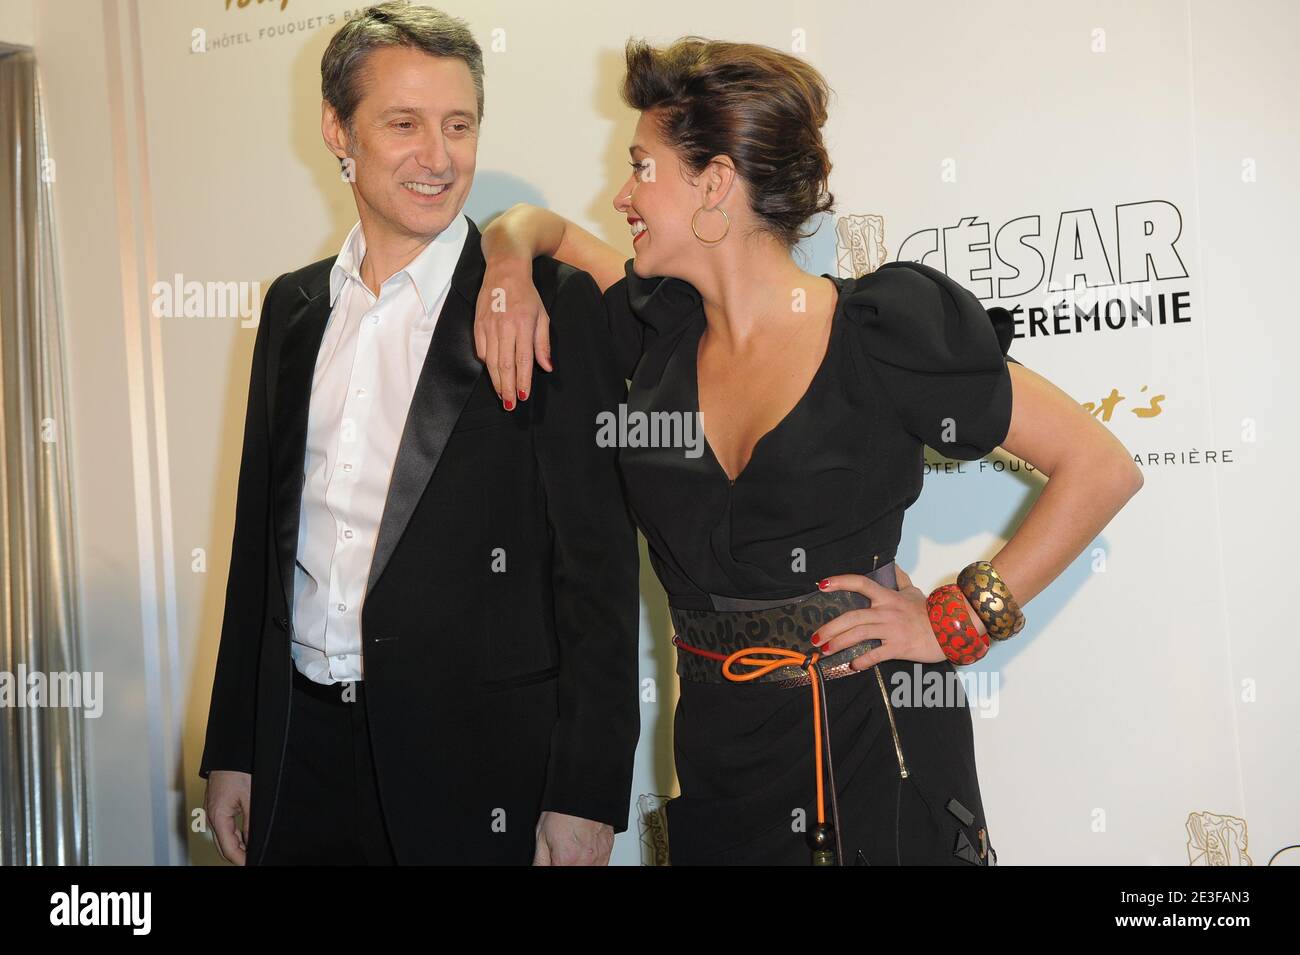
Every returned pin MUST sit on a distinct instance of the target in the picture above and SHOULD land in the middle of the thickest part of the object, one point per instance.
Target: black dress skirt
(913, 359)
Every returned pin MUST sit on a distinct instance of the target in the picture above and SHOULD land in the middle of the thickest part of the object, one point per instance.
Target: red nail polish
(523, 395)
(821, 585)
(815, 640)
(509, 404)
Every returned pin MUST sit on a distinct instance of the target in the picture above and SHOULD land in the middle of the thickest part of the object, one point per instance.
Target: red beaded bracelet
(962, 642)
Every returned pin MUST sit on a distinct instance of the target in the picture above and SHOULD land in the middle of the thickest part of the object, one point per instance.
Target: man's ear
(338, 142)
(332, 131)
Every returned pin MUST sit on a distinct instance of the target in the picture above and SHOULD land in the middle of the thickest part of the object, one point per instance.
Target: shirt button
(346, 467)
(361, 392)
(342, 607)
(374, 319)
(347, 535)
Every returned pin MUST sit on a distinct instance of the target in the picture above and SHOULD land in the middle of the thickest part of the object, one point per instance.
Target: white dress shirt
(366, 370)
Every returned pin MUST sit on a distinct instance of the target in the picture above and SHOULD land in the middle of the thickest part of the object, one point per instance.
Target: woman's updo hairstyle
(763, 108)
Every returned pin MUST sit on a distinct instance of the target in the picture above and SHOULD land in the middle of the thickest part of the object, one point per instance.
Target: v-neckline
(701, 323)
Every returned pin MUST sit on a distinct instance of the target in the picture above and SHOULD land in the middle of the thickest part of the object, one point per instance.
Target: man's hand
(227, 796)
(570, 840)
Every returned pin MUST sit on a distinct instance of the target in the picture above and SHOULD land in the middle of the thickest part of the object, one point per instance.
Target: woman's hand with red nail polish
(898, 618)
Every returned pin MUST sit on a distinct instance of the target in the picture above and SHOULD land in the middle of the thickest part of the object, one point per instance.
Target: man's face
(415, 141)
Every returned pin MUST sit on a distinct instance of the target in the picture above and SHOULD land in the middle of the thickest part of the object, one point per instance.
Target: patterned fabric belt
(705, 638)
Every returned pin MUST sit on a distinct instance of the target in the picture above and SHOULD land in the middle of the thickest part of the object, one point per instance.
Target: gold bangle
(988, 593)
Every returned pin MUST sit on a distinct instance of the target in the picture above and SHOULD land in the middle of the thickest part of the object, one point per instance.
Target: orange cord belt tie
(770, 641)
(824, 838)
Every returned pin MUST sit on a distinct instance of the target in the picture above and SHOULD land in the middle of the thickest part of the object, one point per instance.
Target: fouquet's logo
(241, 4)
(1083, 270)
(1215, 839)
(860, 245)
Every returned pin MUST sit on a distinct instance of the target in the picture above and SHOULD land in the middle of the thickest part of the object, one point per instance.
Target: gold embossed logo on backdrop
(240, 4)
(859, 245)
(1213, 839)
(652, 823)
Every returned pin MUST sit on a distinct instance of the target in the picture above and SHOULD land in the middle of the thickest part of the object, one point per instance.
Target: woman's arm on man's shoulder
(524, 231)
(510, 322)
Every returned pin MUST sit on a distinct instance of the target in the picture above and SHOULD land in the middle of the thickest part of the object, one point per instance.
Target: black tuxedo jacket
(500, 625)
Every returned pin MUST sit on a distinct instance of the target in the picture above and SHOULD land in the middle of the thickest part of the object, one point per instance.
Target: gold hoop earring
(724, 231)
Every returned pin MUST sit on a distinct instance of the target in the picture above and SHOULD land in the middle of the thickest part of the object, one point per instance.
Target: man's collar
(430, 271)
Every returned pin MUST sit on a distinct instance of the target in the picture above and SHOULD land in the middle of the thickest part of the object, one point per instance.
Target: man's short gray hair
(392, 24)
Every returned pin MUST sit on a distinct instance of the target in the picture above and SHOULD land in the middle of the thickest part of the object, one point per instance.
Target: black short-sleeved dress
(912, 359)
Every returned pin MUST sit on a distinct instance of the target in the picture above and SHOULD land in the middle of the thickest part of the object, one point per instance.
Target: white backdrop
(1144, 715)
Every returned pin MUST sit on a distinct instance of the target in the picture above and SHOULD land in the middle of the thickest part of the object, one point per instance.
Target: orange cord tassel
(778, 657)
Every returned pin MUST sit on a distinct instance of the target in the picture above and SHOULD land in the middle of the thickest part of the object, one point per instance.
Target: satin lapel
(450, 370)
(297, 364)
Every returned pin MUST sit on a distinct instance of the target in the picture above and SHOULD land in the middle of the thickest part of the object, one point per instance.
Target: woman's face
(659, 201)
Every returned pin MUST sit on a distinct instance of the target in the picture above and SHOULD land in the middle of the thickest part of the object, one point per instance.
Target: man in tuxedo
(429, 648)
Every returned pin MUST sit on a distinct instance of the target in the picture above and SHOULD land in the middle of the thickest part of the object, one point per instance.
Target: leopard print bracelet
(988, 593)
(962, 643)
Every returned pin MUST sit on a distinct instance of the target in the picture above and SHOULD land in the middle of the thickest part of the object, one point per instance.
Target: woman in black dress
(820, 394)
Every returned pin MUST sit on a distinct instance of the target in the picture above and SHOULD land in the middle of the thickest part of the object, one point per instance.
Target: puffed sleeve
(640, 309)
(939, 355)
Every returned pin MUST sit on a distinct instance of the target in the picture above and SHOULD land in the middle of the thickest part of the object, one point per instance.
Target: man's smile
(427, 189)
